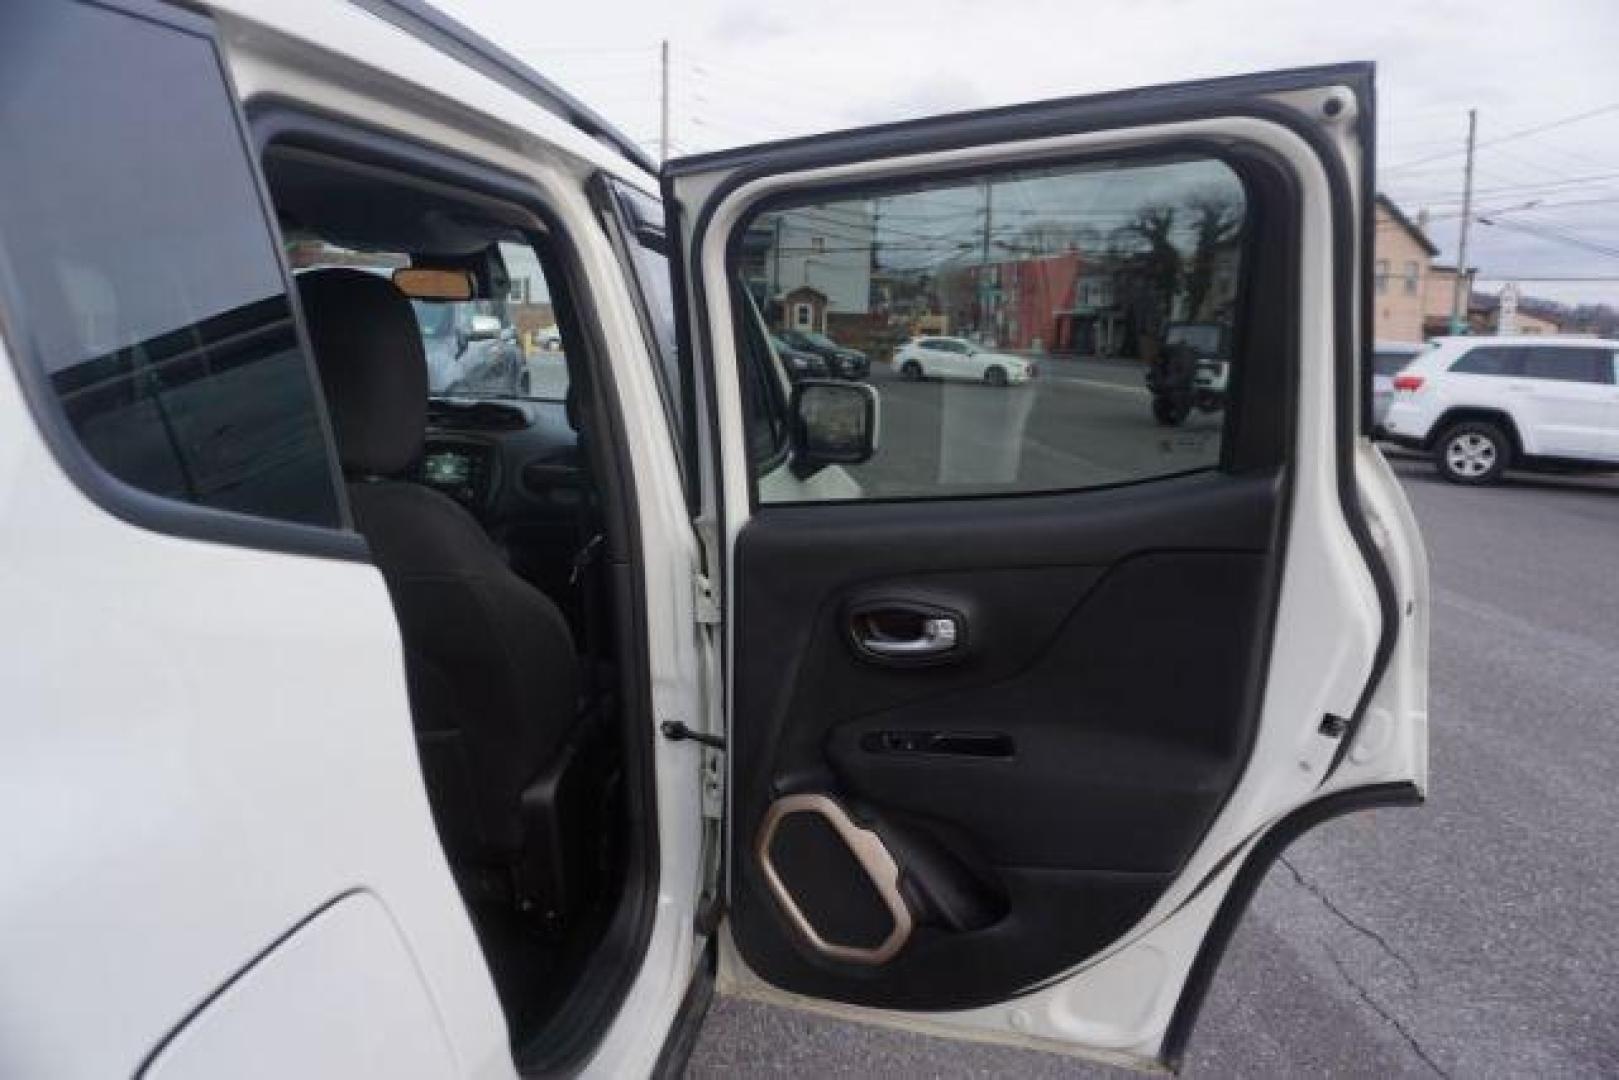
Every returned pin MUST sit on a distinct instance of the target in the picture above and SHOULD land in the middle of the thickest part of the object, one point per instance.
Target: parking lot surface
(1473, 937)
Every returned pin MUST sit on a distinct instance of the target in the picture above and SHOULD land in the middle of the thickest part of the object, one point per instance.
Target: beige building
(1534, 324)
(1440, 295)
(1402, 258)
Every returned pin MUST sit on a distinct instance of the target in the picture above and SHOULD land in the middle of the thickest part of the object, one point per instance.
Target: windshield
(818, 339)
(506, 346)
(435, 320)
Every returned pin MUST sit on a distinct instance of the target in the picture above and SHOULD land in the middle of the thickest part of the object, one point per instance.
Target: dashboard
(462, 470)
(509, 462)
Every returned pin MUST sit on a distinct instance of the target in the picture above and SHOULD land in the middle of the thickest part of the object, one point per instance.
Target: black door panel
(1040, 787)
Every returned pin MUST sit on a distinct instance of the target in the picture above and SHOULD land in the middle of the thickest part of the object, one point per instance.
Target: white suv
(1481, 405)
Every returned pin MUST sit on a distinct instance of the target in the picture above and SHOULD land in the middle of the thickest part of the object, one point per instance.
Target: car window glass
(1570, 364)
(506, 346)
(145, 267)
(1090, 311)
(1391, 363)
(1500, 360)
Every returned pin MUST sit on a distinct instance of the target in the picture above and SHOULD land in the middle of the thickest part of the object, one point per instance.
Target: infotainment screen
(446, 469)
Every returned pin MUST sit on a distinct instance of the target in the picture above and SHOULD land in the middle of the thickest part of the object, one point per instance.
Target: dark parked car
(845, 363)
(800, 363)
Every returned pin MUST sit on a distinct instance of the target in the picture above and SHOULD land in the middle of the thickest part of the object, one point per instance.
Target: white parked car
(352, 730)
(1482, 405)
(1389, 358)
(958, 358)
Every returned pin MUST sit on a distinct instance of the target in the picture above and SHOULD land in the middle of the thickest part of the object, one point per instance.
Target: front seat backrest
(490, 661)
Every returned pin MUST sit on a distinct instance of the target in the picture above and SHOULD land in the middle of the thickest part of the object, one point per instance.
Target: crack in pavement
(1388, 1017)
(1327, 902)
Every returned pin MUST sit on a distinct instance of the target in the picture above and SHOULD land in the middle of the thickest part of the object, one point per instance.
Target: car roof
(412, 42)
(1570, 340)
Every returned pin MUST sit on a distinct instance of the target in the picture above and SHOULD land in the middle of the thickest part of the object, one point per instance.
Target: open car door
(1028, 688)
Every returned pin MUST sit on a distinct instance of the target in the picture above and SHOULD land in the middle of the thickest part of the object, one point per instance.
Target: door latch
(706, 608)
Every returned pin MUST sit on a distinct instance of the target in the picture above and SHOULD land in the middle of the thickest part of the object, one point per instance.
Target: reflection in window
(1053, 329)
(147, 274)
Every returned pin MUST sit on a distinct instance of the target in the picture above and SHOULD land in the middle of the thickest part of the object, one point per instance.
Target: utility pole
(983, 266)
(663, 126)
(1464, 281)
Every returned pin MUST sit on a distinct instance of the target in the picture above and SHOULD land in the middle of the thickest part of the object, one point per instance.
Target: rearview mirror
(833, 423)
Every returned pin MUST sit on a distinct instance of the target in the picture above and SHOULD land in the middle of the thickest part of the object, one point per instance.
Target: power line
(1542, 232)
(1509, 189)
(1594, 278)
(1521, 133)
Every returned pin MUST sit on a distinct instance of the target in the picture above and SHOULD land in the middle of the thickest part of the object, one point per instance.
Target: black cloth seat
(490, 662)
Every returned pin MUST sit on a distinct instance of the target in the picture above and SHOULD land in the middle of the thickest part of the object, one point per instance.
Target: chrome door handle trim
(939, 635)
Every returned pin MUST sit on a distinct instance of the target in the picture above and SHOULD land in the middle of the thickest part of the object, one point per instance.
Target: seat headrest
(372, 366)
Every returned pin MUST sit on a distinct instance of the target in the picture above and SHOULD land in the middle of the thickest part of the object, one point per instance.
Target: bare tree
(1216, 219)
(1152, 269)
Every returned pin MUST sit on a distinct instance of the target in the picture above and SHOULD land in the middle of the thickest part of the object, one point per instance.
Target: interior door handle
(938, 634)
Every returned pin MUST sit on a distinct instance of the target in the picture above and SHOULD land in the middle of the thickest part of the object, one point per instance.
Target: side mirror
(484, 328)
(833, 423)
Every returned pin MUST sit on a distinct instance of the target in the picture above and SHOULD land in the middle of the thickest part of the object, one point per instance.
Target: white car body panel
(236, 756)
(193, 727)
(348, 1000)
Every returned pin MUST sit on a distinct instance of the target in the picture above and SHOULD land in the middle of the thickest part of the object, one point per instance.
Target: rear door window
(1391, 363)
(1570, 364)
(1498, 360)
(143, 273)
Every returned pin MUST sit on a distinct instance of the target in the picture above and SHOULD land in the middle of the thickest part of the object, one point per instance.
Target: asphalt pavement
(1477, 936)
(1079, 424)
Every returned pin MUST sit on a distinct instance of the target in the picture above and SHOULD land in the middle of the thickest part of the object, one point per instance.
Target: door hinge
(706, 608)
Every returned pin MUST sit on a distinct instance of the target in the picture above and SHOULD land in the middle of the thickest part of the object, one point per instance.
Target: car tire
(911, 370)
(1473, 452)
(995, 376)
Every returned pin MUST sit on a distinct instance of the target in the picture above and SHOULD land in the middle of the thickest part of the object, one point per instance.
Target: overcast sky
(747, 72)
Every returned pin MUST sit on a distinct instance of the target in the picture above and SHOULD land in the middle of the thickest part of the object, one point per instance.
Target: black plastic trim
(683, 1033)
(1254, 868)
(142, 508)
(456, 40)
(574, 1033)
